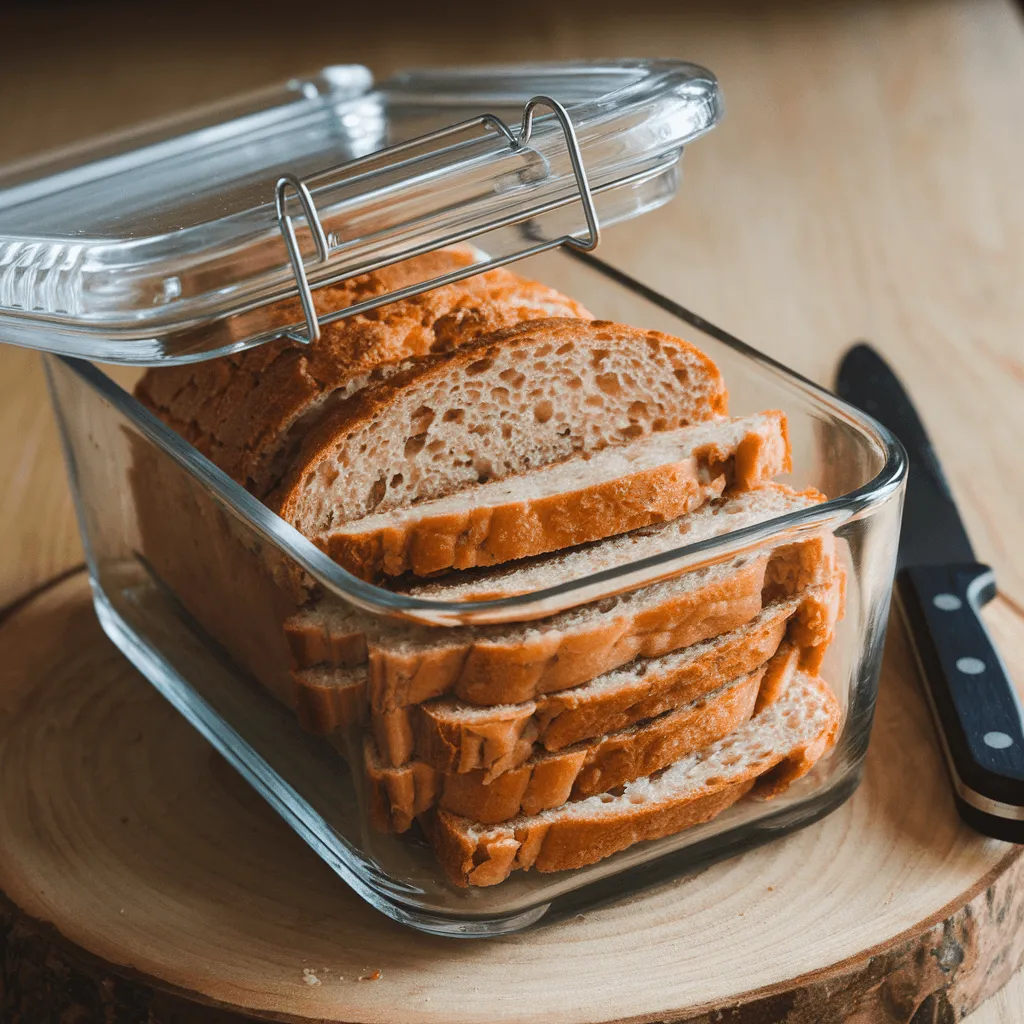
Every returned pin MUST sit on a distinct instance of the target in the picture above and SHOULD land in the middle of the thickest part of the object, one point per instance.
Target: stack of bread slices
(492, 439)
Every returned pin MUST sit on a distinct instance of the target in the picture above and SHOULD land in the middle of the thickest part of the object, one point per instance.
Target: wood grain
(864, 183)
(160, 870)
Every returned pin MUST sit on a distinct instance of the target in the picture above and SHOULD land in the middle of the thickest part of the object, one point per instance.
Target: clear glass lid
(173, 241)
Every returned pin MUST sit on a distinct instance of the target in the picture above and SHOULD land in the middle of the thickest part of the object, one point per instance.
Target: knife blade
(940, 589)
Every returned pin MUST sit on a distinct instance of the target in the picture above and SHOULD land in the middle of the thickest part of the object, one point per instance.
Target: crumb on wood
(309, 976)
(372, 976)
(771, 888)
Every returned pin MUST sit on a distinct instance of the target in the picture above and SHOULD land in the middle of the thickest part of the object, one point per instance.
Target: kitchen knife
(940, 587)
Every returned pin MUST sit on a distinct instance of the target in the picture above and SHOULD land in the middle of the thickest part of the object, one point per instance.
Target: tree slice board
(144, 881)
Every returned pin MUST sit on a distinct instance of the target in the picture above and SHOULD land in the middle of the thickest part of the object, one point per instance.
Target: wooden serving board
(144, 881)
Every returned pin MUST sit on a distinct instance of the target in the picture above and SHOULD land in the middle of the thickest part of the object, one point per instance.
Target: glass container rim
(828, 515)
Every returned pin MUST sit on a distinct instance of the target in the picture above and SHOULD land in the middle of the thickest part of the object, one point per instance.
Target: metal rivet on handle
(997, 740)
(970, 666)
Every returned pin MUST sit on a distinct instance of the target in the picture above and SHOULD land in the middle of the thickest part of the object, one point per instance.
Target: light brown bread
(249, 412)
(548, 779)
(510, 664)
(584, 498)
(452, 736)
(518, 399)
(770, 751)
(334, 634)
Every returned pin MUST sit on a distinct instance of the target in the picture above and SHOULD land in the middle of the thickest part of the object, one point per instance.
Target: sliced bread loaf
(778, 745)
(511, 663)
(581, 499)
(548, 779)
(516, 400)
(249, 412)
(453, 736)
(333, 633)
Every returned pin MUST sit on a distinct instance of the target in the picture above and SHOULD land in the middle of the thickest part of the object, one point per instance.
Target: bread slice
(775, 747)
(583, 498)
(549, 779)
(333, 633)
(249, 412)
(452, 736)
(516, 400)
(508, 664)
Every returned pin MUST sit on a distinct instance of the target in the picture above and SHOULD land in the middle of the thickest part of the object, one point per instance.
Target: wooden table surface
(866, 183)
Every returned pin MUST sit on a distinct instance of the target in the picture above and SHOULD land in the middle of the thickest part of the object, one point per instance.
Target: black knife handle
(972, 698)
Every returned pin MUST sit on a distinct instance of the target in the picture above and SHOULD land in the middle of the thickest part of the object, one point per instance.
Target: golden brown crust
(495, 743)
(482, 536)
(549, 780)
(558, 842)
(485, 671)
(492, 534)
(491, 859)
(496, 671)
(324, 705)
(323, 443)
(247, 411)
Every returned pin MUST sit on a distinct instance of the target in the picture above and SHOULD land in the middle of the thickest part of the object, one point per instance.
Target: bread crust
(248, 412)
(490, 534)
(549, 780)
(569, 837)
(486, 670)
(306, 499)
(435, 733)
(482, 536)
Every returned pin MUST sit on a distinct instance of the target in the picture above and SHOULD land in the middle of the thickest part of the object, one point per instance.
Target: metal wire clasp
(516, 140)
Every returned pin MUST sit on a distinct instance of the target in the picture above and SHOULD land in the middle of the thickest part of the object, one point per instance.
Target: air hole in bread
(377, 492)
(543, 411)
(636, 798)
(540, 366)
(599, 355)
(414, 445)
(484, 470)
(513, 377)
(610, 384)
(422, 418)
(606, 798)
(506, 430)
(479, 366)
(435, 446)
(575, 383)
(660, 424)
(500, 395)
(595, 401)
(715, 780)
(682, 375)
(454, 416)
(632, 431)
(397, 480)
(637, 410)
